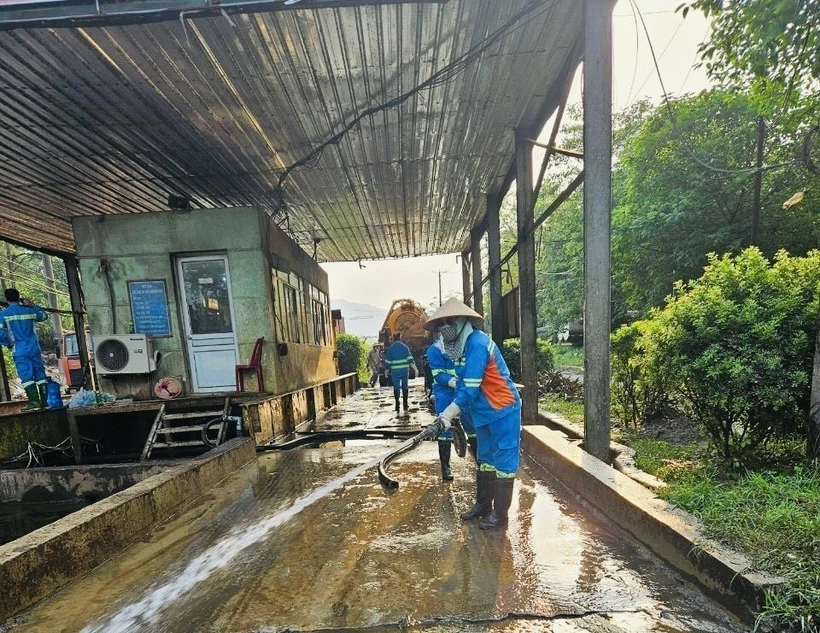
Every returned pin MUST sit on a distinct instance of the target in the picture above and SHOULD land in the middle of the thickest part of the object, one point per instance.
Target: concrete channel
(307, 540)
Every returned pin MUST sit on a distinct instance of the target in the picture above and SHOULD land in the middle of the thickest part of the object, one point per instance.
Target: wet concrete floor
(307, 540)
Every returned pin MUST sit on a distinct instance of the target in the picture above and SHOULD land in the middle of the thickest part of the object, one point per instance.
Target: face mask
(449, 332)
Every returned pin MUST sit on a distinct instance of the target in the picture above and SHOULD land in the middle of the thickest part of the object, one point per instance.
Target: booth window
(301, 310)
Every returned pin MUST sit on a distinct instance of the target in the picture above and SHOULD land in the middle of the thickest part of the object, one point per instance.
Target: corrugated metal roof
(99, 120)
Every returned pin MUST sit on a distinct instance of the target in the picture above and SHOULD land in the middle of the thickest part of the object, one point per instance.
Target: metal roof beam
(85, 13)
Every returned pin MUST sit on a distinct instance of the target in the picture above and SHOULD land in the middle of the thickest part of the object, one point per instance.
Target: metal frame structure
(596, 177)
(378, 128)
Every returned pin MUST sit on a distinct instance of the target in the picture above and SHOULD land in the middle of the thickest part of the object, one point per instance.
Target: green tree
(352, 355)
(685, 189)
(765, 47)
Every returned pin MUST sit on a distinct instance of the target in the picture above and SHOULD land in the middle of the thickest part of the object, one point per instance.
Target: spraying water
(145, 612)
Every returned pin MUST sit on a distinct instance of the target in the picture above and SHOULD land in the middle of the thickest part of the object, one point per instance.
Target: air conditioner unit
(123, 354)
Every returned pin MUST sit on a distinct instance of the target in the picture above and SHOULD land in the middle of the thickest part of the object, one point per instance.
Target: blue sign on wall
(149, 307)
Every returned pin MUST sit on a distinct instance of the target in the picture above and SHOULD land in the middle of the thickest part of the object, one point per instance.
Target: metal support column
(597, 223)
(475, 257)
(5, 390)
(78, 309)
(526, 274)
(466, 282)
(494, 253)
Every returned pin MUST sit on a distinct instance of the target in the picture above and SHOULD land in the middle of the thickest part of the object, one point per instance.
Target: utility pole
(439, 288)
(756, 205)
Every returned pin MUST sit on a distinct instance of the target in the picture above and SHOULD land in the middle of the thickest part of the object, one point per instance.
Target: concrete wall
(65, 483)
(37, 565)
(44, 426)
(144, 246)
(271, 418)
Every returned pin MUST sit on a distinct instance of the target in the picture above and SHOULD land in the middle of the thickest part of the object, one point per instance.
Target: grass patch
(572, 410)
(665, 461)
(772, 516)
(568, 356)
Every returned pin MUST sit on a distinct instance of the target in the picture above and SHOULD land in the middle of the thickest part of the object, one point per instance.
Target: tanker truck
(408, 317)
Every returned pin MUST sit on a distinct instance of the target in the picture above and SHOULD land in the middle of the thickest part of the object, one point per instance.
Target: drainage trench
(308, 540)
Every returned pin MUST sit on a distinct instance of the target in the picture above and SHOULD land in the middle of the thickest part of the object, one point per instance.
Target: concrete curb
(671, 534)
(37, 565)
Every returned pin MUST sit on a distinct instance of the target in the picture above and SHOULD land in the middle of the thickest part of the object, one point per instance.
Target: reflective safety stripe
(487, 468)
(472, 382)
(398, 364)
(449, 372)
(21, 317)
(28, 383)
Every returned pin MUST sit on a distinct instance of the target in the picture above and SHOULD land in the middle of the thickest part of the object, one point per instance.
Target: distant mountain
(361, 319)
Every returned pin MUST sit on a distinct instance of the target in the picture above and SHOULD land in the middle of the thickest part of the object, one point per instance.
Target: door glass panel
(206, 291)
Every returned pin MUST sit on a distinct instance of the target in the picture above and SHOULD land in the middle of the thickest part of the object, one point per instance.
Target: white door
(205, 285)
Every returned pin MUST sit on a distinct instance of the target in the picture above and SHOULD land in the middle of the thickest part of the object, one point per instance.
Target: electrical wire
(440, 77)
(667, 102)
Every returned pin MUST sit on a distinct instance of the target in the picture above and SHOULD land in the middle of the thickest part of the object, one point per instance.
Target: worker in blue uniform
(400, 362)
(489, 395)
(444, 372)
(18, 321)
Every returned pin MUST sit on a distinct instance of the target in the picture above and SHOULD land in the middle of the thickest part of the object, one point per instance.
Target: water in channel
(309, 541)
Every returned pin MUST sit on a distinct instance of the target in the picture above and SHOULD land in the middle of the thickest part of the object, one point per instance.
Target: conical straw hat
(454, 308)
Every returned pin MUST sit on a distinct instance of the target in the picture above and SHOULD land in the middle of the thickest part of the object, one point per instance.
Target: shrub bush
(511, 350)
(352, 355)
(738, 343)
(640, 386)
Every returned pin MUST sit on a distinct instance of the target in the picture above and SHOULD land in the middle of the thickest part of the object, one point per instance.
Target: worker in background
(18, 321)
(374, 361)
(444, 374)
(487, 393)
(400, 362)
(443, 371)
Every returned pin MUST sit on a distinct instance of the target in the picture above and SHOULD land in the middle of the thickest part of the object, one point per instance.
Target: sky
(675, 41)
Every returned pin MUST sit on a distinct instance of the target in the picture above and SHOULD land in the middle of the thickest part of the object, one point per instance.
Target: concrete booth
(190, 293)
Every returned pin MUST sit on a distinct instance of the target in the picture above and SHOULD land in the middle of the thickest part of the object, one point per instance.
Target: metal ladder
(169, 425)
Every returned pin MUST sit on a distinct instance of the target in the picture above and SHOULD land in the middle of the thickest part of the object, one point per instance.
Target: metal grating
(112, 119)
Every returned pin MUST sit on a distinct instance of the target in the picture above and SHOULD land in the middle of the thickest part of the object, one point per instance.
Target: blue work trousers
(399, 379)
(499, 444)
(30, 369)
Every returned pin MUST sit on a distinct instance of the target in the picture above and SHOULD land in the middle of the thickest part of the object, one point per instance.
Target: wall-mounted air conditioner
(123, 354)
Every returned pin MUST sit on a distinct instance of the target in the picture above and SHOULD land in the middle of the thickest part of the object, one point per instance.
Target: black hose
(432, 431)
(386, 480)
(313, 439)
(207, 427)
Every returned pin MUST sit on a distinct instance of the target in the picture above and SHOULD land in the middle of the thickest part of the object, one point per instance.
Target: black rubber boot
(501, 504)
(484, 485)
(33, 398)
(396, 396)
(404, 394)
(42, 391)
(444, 449)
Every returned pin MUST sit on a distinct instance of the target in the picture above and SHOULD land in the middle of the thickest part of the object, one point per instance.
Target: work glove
(452, 383)
(459, 439)
(449, 414)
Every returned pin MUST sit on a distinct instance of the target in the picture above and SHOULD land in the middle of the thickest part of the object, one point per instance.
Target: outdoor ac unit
(123, 354)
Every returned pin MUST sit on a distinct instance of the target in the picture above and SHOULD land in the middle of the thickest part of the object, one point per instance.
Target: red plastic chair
(254, 364)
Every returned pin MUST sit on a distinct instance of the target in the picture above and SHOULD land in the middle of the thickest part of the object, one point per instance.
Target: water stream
(133, 617)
